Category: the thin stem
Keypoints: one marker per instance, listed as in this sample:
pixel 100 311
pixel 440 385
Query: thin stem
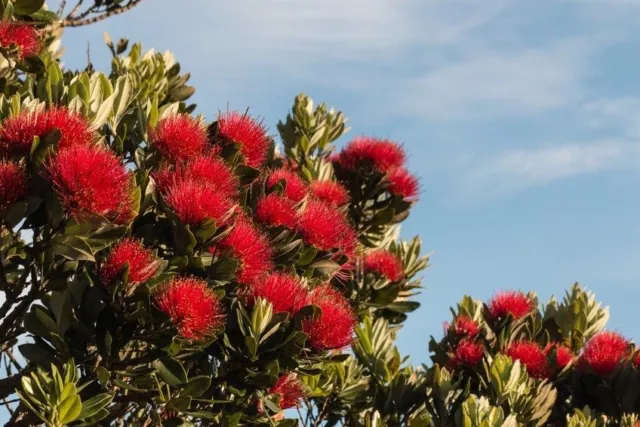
pixel 72 21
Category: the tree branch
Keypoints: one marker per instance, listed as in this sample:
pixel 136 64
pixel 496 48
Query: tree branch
pixel 72 21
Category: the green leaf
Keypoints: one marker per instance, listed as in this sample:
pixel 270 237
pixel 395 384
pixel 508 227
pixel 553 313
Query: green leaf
pixel 197 386
pixel 72 247
pixel 91 407
pixel 171 371
pixel 325 267
pixel 69 409
pixel 27 7
pixel 68 390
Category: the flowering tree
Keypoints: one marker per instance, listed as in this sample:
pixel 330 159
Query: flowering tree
pixel 160 270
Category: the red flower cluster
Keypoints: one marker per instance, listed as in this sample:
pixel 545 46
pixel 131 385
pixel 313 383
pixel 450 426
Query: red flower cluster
pixel 250 247
pixel 25 37
pixel 604 352
pixel 195 202
pixel 330 192
pixel 403 184
pixel 384 263
pixel 325 227
pixel 382 154
pixel 246 131
pixel 466 327
pixel 468 353
pixel 512 303
pixel 207 169
pixel 17 133
pixel 12 183
pixel 289 390
pixel 532 356
pixel 142 264
pixel 192 307
pixel 90 180
pixel 295 188
pixel 564 355
pixel 277 211
pixel 283 291
pixel 333 329
pixel 179 137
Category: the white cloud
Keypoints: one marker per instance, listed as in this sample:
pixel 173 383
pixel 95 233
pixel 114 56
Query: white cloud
pixel 617 113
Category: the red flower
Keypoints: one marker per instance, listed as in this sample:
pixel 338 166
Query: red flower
pixel 179 137
pixel 195 202
pixel 12 183
pixel 604 352
pixel 142 264
pixel 248 132
pixel 17 133
pixel 295 188
pixel 382 154
pixel 564 355
pixel 207 169
pixel 468 353
pixel 403 184
pixel 325 227
pixel 512 303
pixel 283 291
pixel 330 192
pixel 532 356
pixel 384 263
pixel 333 329
pixel 192 307
pixel 276 210
pixel 25 37
pixel 289 389
pixel 465 326
pixel 250 247
pixel 89 181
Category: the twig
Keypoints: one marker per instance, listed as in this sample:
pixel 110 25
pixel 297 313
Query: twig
pixel 78 22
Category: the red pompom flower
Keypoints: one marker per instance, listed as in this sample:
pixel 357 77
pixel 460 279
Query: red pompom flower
pixel 382 154
pixel 179 137
pixel 25 37
pixel 403 184
pixel 564 355
pixel 384 263
pixel 289 390
pixel 142 264
pixel 285 292
pixel 330 192
pixel 277 211
pixel 250 247
pixel 246 131
pixel 90 180
pixel 12 183
pixel 17 133
pixel 194 202
pixel 192 307
pixel 468 353
pixel 604 352
pixel 512 303
pixel 465 327
pixel 294 187
pixel 532 356
pixel 325 227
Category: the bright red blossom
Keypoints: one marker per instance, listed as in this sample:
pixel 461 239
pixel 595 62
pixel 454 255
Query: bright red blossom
pixel 208 169
pixel 285 292
pixel 294 187
pixel 142 264
pixel 382 154
pixel 330 192
pixel 604 352
pixel 324 226
pixel 89 180
pixel 289 389
pixel 333 329
pixel 246 131
pixel 465 326
pixel 25 37
pixel 179 137
pixel 12 183
pixel 195 202
pixel 403 184
pixel 17 133
pixel 250 247
pixel 564 355
pixel 512 303
pixel 468 353
pixel 532 356
pixel 192 307
pixel 277 211
pixel 384 263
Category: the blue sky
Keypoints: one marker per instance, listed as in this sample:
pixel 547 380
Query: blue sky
pixel 520 117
